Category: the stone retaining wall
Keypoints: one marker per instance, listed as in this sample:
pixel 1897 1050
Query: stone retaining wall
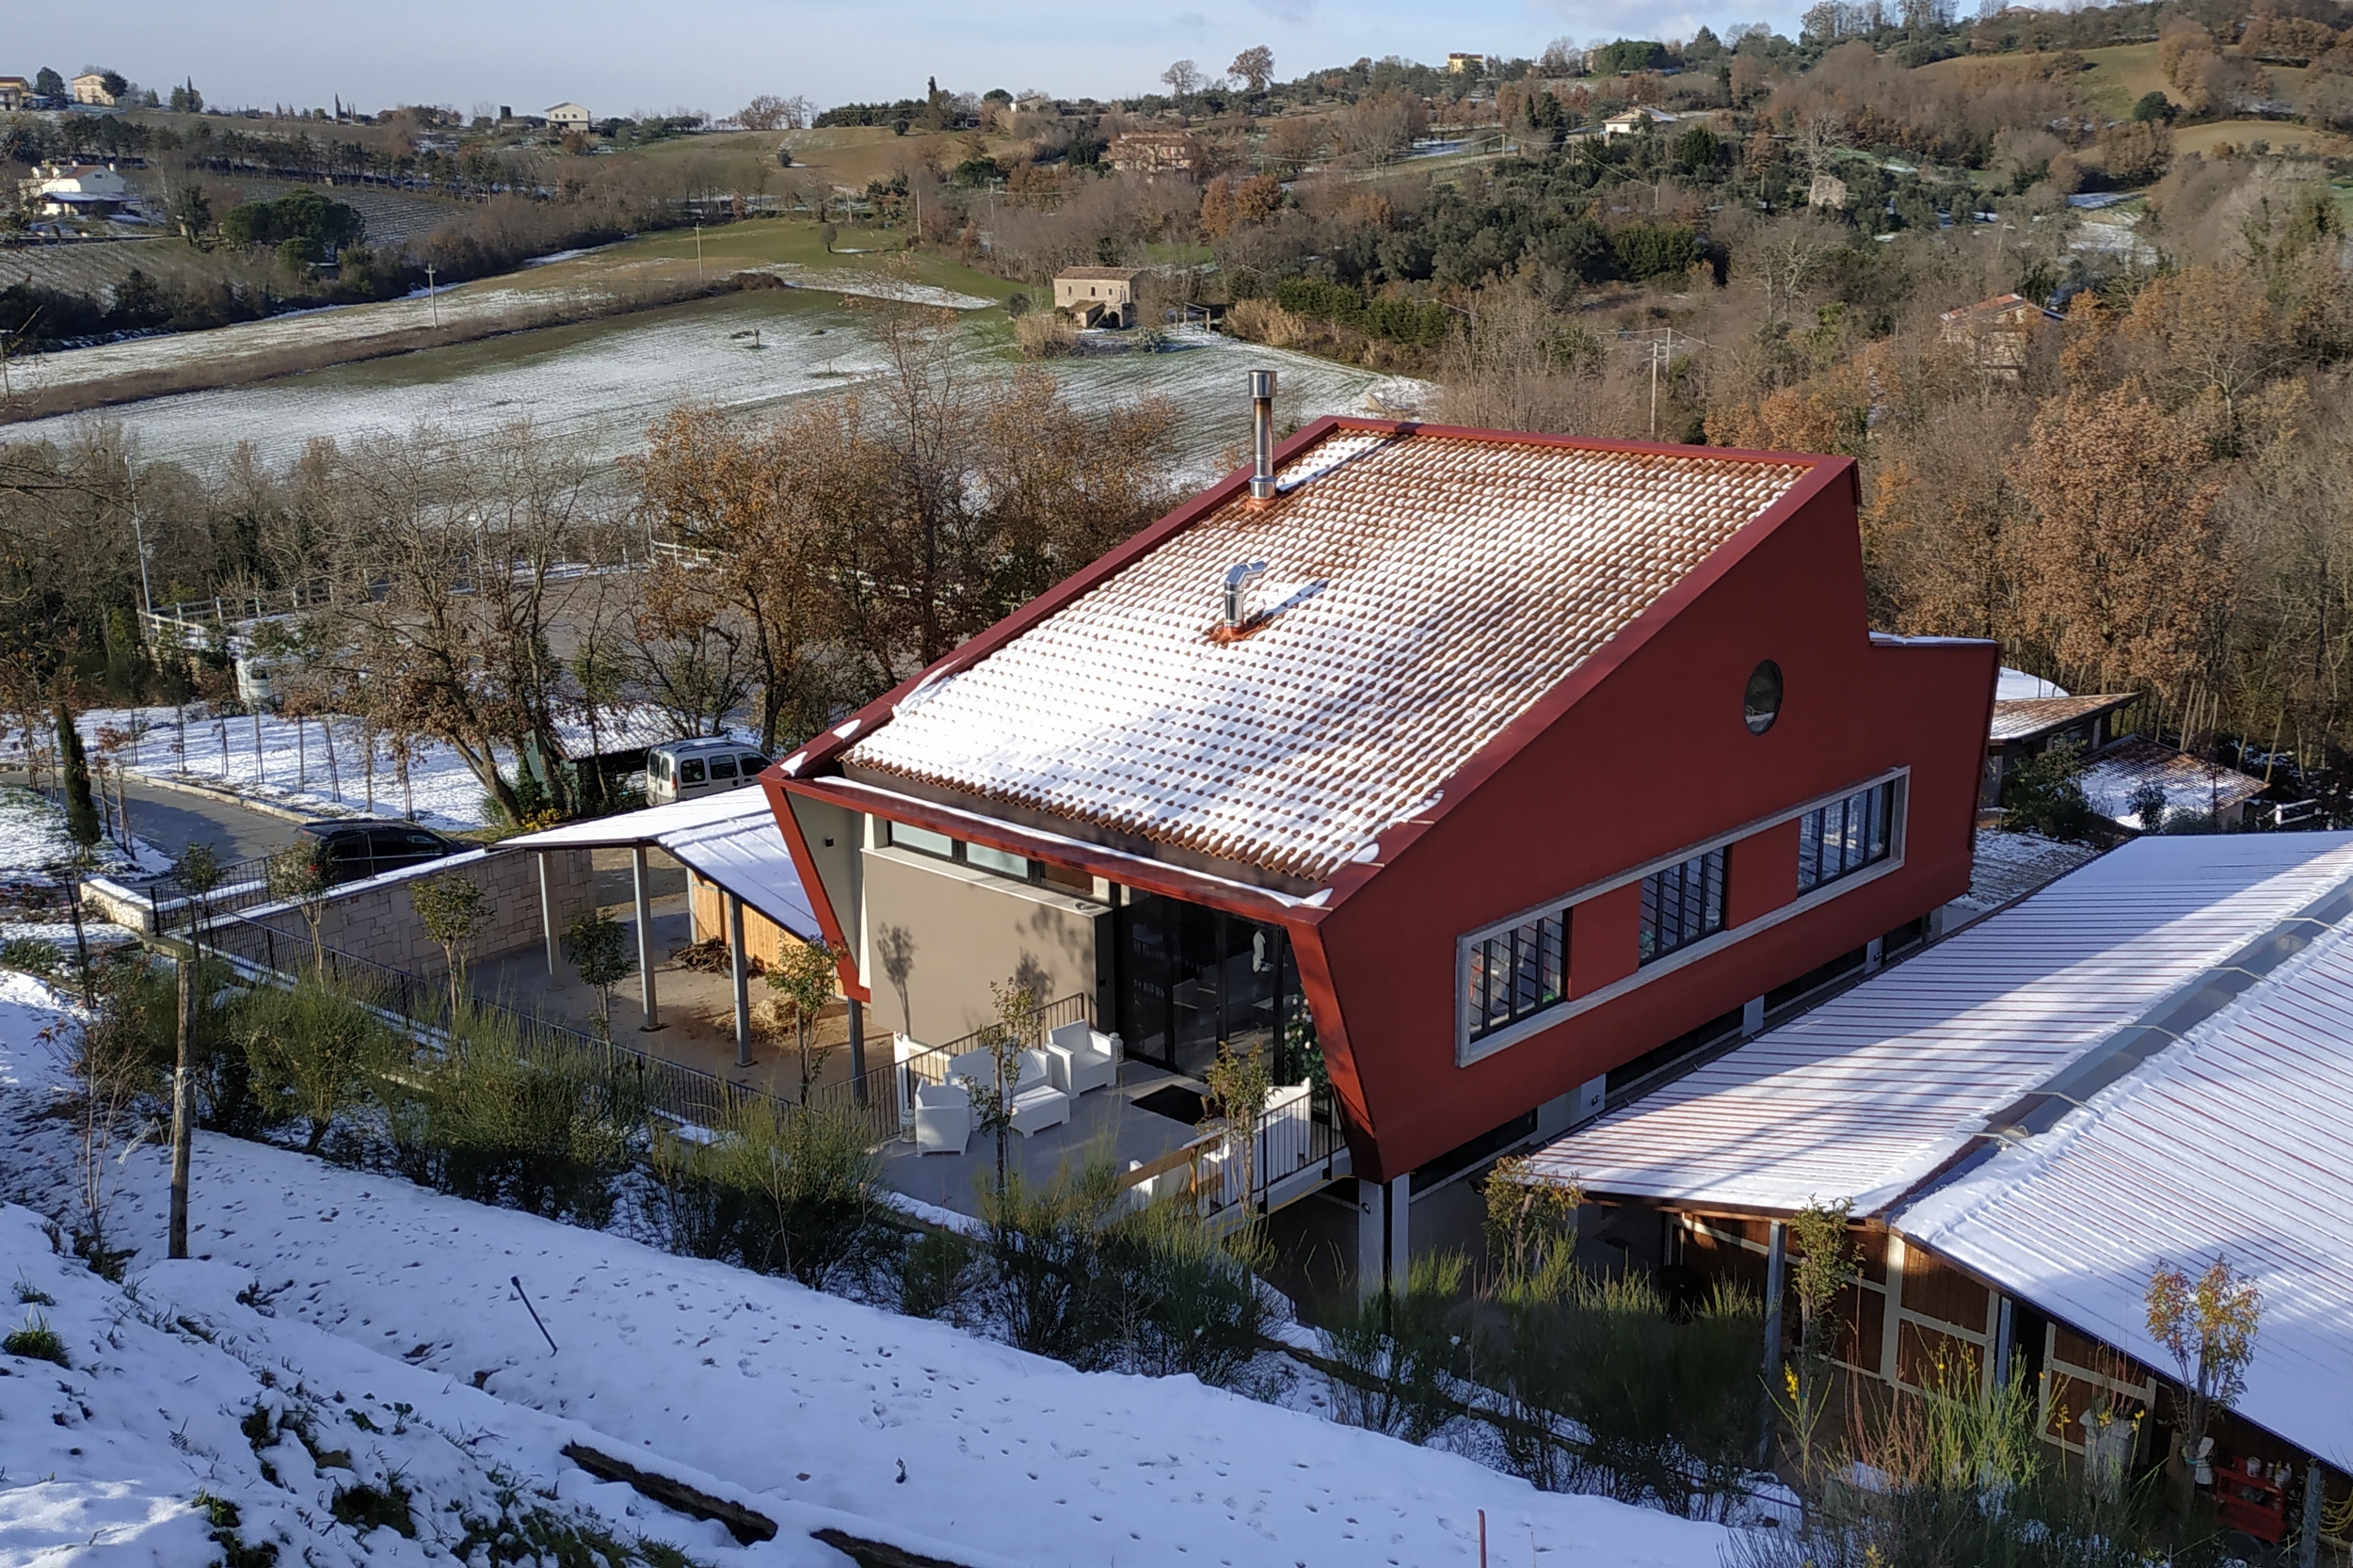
pixel 374 920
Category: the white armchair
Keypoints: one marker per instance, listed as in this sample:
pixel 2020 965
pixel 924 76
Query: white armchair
pixel 943 1118
pixel 1082 1059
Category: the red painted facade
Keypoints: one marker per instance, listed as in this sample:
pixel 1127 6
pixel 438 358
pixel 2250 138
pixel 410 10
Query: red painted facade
pixel 1640 755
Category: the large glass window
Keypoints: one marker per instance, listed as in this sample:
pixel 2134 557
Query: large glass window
pixel 1681 904
pixel 1847 835
pixel 922 839
pixel 1518 973
pixel 1191 977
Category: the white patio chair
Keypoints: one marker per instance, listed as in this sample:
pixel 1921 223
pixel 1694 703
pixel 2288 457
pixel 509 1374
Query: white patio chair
pixel 943 1118
pixel 1082 1059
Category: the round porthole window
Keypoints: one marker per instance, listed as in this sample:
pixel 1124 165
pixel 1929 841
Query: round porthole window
pixel 1762 705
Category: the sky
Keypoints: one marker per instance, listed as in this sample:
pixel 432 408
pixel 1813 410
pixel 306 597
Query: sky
pixel 621 57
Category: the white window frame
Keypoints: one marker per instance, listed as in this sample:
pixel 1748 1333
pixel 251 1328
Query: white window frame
pixel 1467 1050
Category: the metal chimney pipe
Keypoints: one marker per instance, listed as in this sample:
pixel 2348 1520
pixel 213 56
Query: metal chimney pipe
pixel 1238 586
pixel 1262 434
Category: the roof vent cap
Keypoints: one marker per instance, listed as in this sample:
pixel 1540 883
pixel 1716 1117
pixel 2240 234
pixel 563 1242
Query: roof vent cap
pixel 1237 592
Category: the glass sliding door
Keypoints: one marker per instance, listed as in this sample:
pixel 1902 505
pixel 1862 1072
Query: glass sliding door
pixel 1192 977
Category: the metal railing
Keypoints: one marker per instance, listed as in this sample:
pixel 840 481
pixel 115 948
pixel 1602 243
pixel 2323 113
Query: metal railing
pixel 930 1063
pixel 242 884
pixel 1299 1132
pixel 685 1097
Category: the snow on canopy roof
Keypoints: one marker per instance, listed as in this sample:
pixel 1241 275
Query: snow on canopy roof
pixel 1870 1093
pixel 650 824
pixel 731 838
pixel 2231 1143
pixel 2019 719
pixel 1422 591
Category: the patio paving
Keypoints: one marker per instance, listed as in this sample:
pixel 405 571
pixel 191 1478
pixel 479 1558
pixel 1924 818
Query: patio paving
pixel 1102 1121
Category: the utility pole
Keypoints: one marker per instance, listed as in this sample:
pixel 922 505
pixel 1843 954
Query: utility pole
pixel 138 534
pixel 698 252
pixel 432 301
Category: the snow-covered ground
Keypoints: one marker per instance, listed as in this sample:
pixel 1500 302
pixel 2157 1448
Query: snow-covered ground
pixel 33 841
pixel 339 1295
pixel 595 386
pixel 292 766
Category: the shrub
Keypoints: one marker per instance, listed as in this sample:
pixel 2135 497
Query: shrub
pixel 784 1190
pixel 1191 1299
pixel 1400 1356
pixel 1049 1287
pixel 1045 335
pixel 37 1341
pixel 484 1120
pixel 936 1275
pixel 313 1053
pixel 2045 796
pixel 31 955
pixel 1405 321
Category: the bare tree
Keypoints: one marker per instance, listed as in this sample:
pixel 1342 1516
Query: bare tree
pixel 1253 66
pixel 1183 79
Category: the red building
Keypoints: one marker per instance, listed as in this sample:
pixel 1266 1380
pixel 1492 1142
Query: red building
pixel 1496 772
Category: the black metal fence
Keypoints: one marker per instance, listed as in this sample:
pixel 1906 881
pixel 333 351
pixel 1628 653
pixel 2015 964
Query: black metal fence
pixel 241 885
pixel 683 1095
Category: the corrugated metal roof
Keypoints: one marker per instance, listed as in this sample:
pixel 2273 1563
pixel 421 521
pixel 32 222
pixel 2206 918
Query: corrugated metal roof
pixel 2234 1141
pixel 1422 591
pixel 731 837
pixel 749 859
pixel 1868 1094
pixel 2192 788
pixel 2019 718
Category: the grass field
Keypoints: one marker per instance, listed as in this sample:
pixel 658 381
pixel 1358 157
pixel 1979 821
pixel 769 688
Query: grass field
pixel 2285 135
pixel 759 243
pixel 848 156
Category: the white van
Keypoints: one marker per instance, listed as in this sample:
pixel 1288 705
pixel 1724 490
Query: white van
pixel 680 770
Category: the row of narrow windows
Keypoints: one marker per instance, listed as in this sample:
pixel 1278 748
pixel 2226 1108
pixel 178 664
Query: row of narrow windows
pixel 1520 973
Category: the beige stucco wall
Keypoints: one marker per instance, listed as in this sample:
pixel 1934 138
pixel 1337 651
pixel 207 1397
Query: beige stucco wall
pixel 936 935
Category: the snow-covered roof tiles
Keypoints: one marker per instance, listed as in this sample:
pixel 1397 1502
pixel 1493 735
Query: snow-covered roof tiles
pixel 2018 719
pixel 2234 1143
pixel 1868 1094
pixel 1421 592
pixel 2192 788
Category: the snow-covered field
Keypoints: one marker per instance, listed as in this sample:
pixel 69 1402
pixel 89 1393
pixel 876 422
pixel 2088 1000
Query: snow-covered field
pixel 387 1321
pixel 596 386
pixel 33 841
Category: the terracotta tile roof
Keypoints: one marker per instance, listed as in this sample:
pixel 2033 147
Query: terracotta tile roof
pixel 2021 718
pixel 1100 273
pixel 1422 591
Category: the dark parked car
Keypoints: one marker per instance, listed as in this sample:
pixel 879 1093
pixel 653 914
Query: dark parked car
pixel 352 850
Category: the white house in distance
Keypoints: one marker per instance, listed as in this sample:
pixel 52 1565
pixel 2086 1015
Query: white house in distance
pixel 1636 121
pixel 567 115
pixel 81 190
pixel 90 88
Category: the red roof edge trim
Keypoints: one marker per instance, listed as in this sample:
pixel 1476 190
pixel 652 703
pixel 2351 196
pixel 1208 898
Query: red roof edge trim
pixel 1128 870
pixel 820 903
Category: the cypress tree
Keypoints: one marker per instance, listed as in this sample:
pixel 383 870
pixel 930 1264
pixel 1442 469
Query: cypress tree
pixel 81 813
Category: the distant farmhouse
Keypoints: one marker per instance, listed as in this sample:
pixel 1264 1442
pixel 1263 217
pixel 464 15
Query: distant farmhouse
pixel 75 190
pixel 1465 65
pixel 1635 122
pixel 1998 333
pixel 90 88
pixel 13 91
pixel 567 115
pixel 1098 296
pixel 1153 154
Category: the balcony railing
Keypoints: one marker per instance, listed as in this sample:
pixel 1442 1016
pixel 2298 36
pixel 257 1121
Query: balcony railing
pixel 1299 1134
